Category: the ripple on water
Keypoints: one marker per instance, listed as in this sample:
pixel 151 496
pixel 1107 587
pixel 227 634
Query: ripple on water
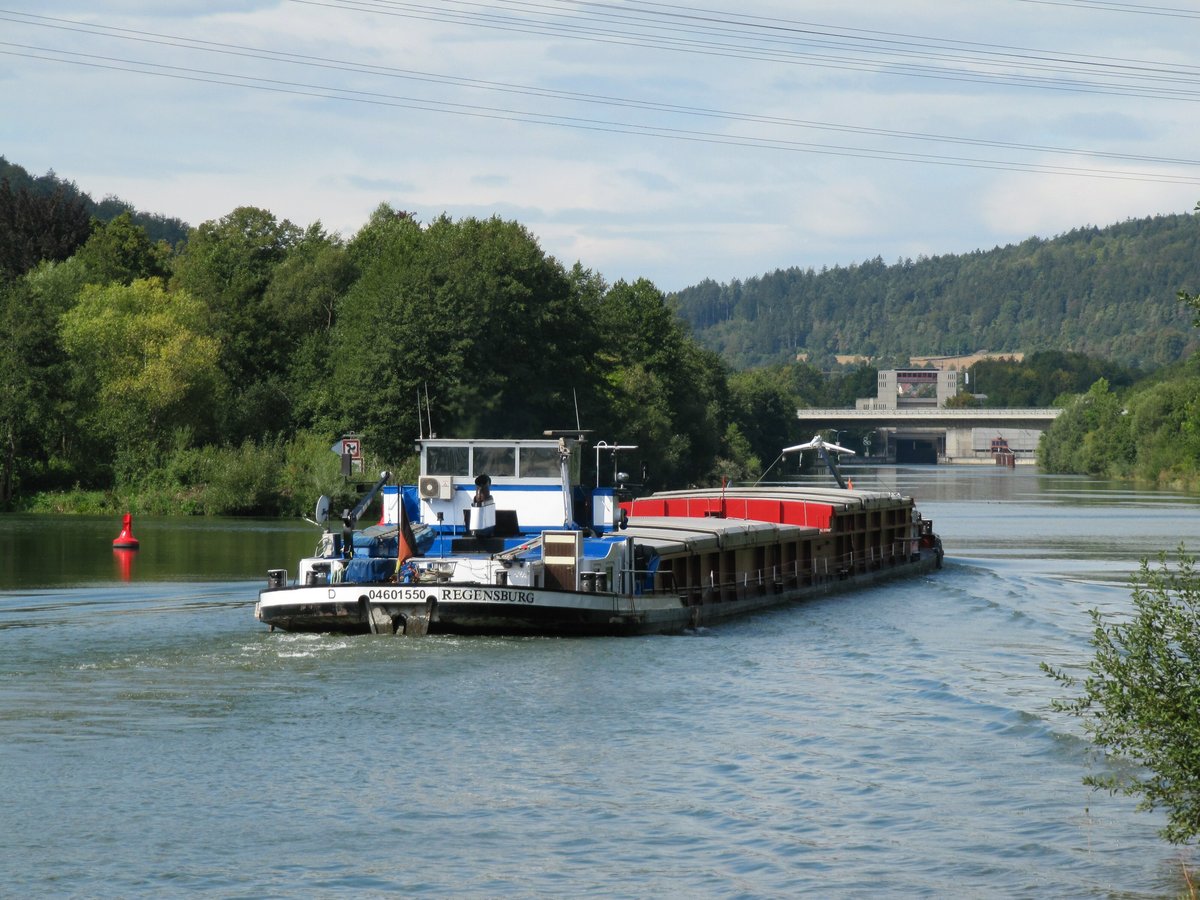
pixel 894 741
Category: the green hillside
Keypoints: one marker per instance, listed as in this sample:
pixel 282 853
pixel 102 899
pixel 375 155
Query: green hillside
pixel 1107 292
pixel 50 187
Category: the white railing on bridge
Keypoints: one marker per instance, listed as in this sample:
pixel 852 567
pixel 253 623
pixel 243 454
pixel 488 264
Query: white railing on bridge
pixel 981 412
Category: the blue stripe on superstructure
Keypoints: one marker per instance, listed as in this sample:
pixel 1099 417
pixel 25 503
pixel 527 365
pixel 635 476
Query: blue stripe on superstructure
pixel 599 548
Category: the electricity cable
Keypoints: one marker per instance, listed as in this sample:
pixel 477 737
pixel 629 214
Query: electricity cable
pixel 572 96
pixel 331 93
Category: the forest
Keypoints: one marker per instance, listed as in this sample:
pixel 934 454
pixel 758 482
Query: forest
pixel 1104 292
pixel 154 367
pixel 211 375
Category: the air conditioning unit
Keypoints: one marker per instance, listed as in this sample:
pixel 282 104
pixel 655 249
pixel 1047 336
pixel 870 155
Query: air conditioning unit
pixel 434 487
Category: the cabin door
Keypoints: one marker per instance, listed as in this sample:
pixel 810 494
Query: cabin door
pixel 560 555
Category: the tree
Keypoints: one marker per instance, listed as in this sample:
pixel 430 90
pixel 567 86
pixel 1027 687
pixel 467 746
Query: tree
pixel 43 447
pixel 153 365
pixel 1092 436
pixel 1165 416
pixel 1043 377
pixel 1192 300
pixel 472 311
pixel 1141 698
pixel 667 394
pixel 35 227
pixel 1075 291
pixel 764 410
pixel 121 251
pixel 846 386
pixel 26 356
pixel 227 265
pixel 300 307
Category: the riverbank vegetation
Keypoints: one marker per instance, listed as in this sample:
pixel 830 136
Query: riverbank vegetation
pixel 212 375
pixel 1138 699
pixel 150 367
pixel 1148 431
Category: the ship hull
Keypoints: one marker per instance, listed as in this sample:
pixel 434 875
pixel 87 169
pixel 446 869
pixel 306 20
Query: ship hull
pixel 472 609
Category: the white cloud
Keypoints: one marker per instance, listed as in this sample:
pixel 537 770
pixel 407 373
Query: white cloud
pixel 624 204
pixel 1011 209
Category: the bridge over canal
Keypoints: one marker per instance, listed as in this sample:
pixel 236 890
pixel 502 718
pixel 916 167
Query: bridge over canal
pixel 933 434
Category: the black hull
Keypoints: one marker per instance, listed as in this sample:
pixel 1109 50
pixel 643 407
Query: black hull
pixel 373 609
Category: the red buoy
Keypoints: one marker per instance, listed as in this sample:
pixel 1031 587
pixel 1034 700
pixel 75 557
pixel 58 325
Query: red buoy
pixel 125 540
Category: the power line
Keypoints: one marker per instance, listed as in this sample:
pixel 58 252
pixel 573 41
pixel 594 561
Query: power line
pixel 864 35
pixel 1105 6
pixel 284 85
pixel 804 44
pixel 1058 71
pixel 599 125
pixel 237 50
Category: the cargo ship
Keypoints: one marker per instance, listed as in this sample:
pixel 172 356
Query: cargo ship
pixel 501 537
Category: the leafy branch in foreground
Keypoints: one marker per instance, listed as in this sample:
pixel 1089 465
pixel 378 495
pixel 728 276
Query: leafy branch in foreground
pixel 1141 698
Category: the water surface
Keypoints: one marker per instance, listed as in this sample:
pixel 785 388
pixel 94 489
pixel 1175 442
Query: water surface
pixel 155 740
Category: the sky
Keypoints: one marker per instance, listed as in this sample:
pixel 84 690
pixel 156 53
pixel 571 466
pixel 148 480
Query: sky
pixel 669 141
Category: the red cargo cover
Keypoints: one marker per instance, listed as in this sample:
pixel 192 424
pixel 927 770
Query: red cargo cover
pixel 785 512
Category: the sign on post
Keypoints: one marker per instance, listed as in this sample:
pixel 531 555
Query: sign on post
pixel 349 449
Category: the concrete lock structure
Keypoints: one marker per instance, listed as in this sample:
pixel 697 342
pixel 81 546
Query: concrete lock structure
pixel 908 422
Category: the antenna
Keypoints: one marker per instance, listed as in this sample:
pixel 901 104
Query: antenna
pixel 420 421
pixel 428 413
pixel 578 425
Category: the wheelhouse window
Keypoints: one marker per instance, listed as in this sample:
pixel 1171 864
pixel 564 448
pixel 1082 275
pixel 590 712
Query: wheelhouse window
pixel 498 459
pixel 498 462
pixel 539 462
pixel 447 461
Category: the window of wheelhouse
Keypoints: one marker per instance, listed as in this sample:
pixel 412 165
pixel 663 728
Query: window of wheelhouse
pixel 498 462
pixel 447 461
pixel 539 462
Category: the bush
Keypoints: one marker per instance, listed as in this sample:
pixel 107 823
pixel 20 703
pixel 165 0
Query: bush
pixel 277 477
pixel 76 502
pixel 1092 437
pixel 272 478
pixel 1141 698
